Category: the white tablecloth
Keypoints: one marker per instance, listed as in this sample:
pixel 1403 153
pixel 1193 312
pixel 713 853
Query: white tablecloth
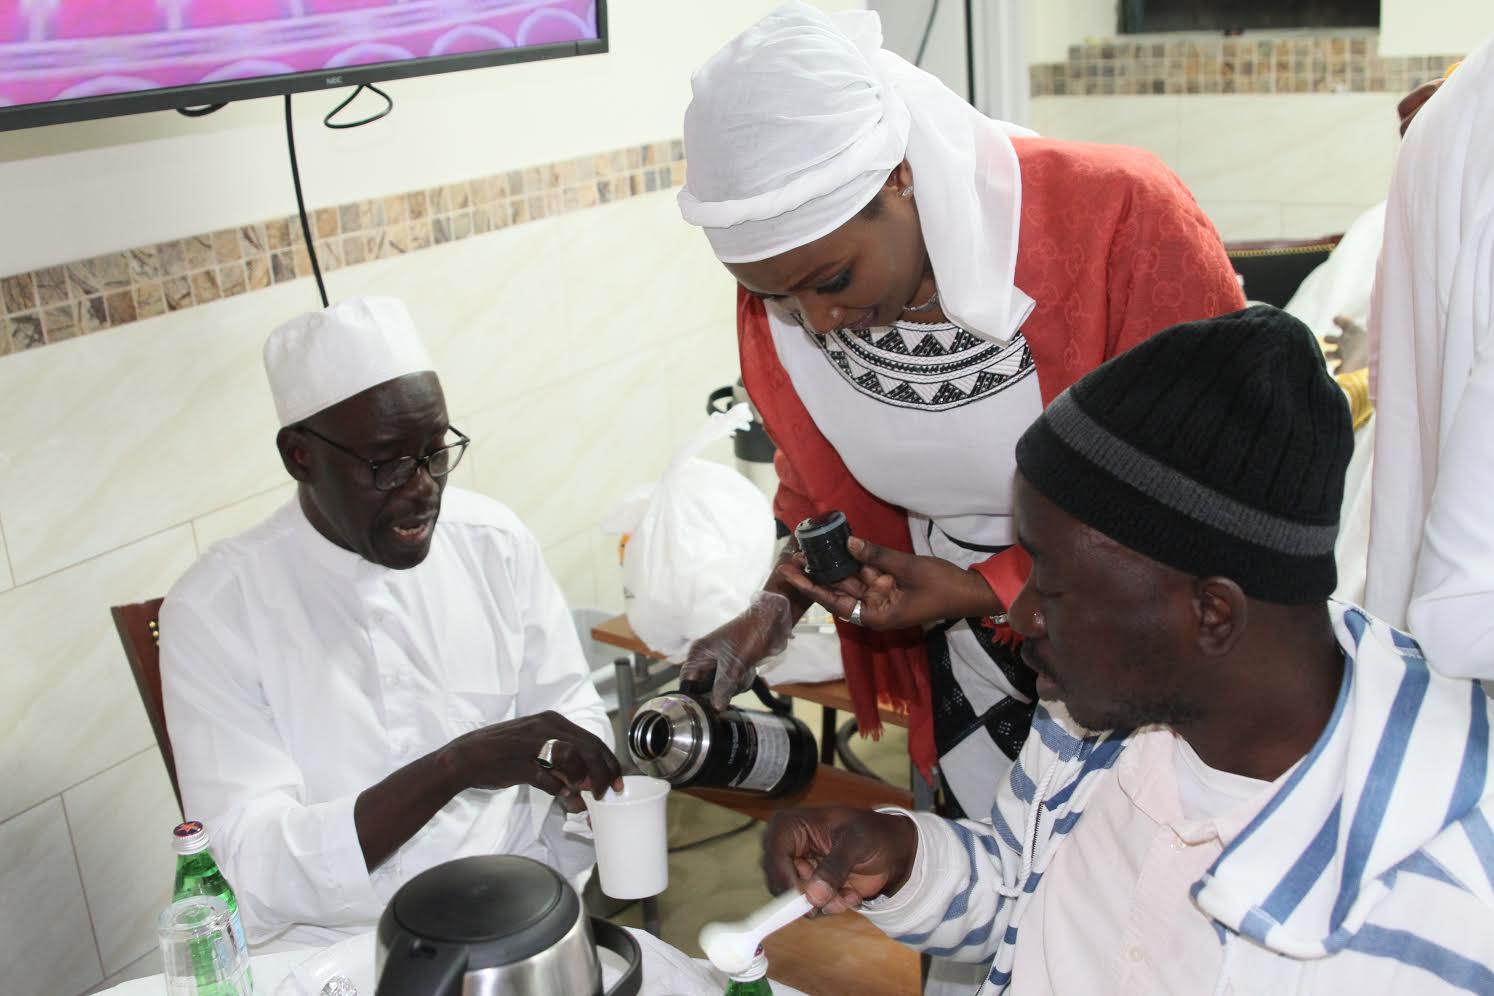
pixel 667 971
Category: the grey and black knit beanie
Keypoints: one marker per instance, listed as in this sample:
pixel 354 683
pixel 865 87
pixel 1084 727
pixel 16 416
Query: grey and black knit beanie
pixel 1217 447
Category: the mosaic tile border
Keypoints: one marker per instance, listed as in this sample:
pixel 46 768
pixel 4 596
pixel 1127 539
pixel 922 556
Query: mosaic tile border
pixel 62 302
pixel 1316 63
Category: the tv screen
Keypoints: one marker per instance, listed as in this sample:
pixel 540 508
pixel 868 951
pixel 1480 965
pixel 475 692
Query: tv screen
pixel 66 60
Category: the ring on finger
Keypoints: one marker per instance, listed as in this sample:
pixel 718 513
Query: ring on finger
pixel 546 756
pixel 855 617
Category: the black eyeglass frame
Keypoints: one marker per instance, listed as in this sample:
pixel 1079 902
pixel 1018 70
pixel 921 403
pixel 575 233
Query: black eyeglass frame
pixel 416 462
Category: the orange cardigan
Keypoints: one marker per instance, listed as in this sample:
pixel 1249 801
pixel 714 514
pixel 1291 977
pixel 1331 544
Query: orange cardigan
pixel 1113 248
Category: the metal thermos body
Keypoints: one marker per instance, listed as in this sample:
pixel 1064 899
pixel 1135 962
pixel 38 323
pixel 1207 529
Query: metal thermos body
pixel 680 738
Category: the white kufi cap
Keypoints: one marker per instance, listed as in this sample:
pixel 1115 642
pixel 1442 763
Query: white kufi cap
pixel 324 357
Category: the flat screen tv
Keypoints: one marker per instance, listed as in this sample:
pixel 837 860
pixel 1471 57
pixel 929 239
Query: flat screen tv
pixel 67 60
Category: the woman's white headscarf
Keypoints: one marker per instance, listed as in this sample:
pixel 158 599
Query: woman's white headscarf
pixel 795 125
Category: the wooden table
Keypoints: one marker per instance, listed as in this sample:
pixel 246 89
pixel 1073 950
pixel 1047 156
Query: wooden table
pixel 842 955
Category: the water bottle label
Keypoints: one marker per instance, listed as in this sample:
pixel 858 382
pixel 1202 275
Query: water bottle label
pixel 771 758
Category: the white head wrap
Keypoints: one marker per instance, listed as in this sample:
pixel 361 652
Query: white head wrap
pixel 795 125
pixel 324 357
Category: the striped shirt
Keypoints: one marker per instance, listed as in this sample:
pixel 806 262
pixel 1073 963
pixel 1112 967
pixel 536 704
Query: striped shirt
pixel 1370 868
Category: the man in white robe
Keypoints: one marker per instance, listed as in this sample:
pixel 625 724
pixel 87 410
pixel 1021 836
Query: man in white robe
pixel 1431 553
pixel 383 675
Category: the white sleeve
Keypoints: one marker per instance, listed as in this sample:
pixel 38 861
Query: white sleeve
pixel 956 902
pixel 287 862
pixel 1452 599
pixel 554 674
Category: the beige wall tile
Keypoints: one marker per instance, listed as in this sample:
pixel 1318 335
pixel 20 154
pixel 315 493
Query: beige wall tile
pixel 1330 148
pixel 121 822
pixel 1305 221
pixel 233 519
pixel 116 436
pixel 608 570
pixel 560 459
pixel 572 563
pixel 699 364
pixel 47 946
pixel 7 580
pixel 68 705
pixel 1244 220
pixel 648 275
pixel 553 297
pixel 1153 123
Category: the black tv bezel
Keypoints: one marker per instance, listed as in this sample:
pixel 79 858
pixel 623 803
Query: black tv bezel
pixel 18 116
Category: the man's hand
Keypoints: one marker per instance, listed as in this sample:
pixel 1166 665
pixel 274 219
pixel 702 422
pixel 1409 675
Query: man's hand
pixel 507 754
pixel 838 856
pixel 897 589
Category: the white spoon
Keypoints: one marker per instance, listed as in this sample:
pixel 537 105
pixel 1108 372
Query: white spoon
pixel 731 946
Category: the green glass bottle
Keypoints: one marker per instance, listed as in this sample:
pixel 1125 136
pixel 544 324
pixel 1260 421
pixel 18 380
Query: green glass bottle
pixel 753 981
pixel 197 874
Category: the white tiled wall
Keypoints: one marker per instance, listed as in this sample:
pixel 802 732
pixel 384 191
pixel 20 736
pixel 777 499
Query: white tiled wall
pixel 47 944
pixel 7 581
pixel 124 853
pixel 576 352
pixel 68 706
pixel 1261 165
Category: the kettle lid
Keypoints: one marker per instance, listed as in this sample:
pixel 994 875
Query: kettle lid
pixel 503 907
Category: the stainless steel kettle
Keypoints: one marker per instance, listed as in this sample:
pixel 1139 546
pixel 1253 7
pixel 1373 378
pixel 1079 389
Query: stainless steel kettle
pixel 496 925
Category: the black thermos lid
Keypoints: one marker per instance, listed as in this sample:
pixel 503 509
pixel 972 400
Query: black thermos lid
pixel 823 540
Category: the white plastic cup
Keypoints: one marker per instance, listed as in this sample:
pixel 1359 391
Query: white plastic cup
pixel 632 837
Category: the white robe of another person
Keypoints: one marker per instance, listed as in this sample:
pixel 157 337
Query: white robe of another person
pixel 1431 553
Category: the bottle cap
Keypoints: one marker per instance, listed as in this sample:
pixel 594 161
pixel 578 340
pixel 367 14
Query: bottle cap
pixel 189 837
pixel 757 970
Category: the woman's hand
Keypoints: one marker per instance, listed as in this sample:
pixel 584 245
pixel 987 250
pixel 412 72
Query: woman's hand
pixel 897 590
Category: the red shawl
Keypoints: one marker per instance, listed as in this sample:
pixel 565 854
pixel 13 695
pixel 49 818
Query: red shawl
pixel 1112 247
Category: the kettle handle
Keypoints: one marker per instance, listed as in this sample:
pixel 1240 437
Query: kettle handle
pixel 418 966
pixel 718 394
pixel 617 940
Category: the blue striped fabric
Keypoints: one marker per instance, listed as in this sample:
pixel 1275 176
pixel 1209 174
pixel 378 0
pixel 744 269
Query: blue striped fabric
pixel 1393 801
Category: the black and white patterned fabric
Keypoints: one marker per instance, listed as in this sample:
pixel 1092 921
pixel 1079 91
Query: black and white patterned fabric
pixel 926 417
pixel 929 367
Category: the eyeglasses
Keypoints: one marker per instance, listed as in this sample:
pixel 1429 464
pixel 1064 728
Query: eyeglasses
pixel 390 474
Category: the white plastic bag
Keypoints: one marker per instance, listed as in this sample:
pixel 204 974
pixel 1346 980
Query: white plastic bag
pixel 701 542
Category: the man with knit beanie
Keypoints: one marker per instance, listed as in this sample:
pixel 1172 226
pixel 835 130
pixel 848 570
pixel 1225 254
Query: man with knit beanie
pixel 1233 784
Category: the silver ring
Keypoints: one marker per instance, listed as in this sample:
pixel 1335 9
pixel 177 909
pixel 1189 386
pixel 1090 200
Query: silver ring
pixel 546 756
pixel 855 617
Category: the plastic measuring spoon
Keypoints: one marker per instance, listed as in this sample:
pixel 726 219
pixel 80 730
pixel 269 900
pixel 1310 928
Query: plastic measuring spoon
pixel 730 946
